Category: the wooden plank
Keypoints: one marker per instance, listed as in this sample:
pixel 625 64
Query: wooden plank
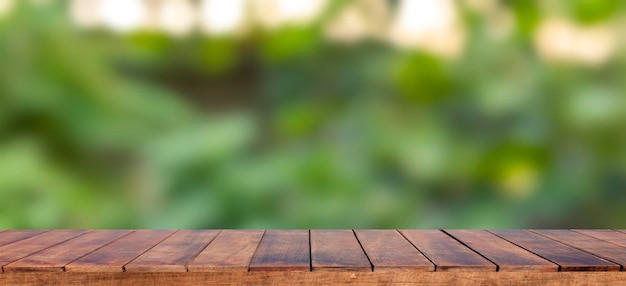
pixel 173 253
pixel 231 250
pixel 314 278
pixel 389 251
pixel 508 256
pixel 611 236
pixel 447 253
pixel 10 236
pixel 113 257
pixel 282 250
pixel 56 257
pixel 337 250
pixel 568 258
pixel 597 247
pixel 20 249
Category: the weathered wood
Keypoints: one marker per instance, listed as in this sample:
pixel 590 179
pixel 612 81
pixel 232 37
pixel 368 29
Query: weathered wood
pixel 337 250
pixel 113 257
pixel 20 249
pixel 231 250
pixel 567 257
pixel 447 253
pixel 597 247
pixel 508 256
pixel 390 251
pixel 611 236
pixel 10 236
pixel 286 250
pixel 173 253
pixel 315 278
pixel 56 257
pixel 210 257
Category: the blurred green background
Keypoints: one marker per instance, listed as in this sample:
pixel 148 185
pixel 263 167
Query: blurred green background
pixel 360 114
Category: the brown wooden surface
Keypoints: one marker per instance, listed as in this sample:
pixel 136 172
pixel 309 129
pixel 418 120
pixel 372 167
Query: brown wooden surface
pixel 611 236
pixel 286 250
pixel 20 249
pixel 390 251
pixel 113 257
pixel 508 256
pixel 359 257
pixel 569 258
pixel 315 278
pixel 231 250
pixel 447 253
pixel 56 257
pixel 597 247
pixel 173 253
pixel 9 236
pixel 337 250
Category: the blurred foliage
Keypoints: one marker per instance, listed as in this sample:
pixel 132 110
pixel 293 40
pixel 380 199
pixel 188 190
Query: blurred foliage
pixel 283 129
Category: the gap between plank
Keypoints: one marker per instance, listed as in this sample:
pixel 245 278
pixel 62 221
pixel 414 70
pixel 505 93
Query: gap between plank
pixel 310 253
pixel 414 246
pixel 258 244
pixel 203 248
pixel 621 267
pixel 463 243
pixel 150 248
pixel 97 249
pixel 86 232
pixel 559 265
pixel 36 234
pixel 619 232
pixel 363 249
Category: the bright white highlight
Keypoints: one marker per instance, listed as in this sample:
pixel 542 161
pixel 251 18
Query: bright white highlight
pixel 559 40
pixel 359 20
pixel 425 16
pixel 85 13
pixel 428 24
pixel 300 11
pixel 5 7
pixel 275 13
pixel 123 15
pixel 222 16
pixel 176 17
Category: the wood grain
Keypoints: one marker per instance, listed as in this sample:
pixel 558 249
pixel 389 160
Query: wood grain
pixel 339 257
pixel 337 250
pixel 390 251
pixel 568 258
pixel 315 278
pixel 56 257
pixel 447 253
pixel 597 247
pixel 231 250
pixel 25 247
pixel 611 236
pixel 286 250
pixel 113 257
pixel 508 256
pixel 173 253
pixel 10 236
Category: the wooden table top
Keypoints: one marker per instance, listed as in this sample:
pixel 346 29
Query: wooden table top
pixel 310 251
